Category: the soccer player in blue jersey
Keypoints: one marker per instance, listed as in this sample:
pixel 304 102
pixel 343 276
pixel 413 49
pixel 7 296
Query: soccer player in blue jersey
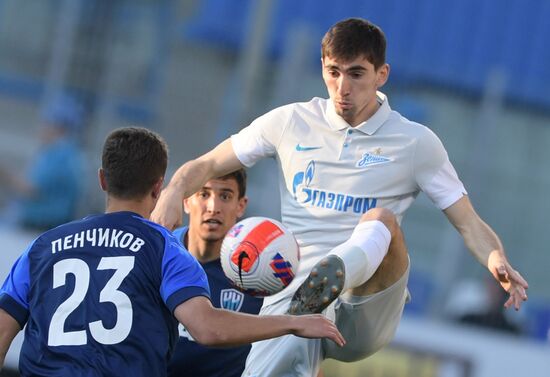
pixel 212 211
pixel 102 296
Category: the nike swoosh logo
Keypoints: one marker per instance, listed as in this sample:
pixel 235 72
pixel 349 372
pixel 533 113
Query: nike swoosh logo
pixel 242 256
pixel 300 148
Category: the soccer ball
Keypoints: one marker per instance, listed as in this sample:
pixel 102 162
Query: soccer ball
pixel 260 256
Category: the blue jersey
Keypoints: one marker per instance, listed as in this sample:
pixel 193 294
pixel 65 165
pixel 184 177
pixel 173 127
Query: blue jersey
pixel 97 297
pixel 193 359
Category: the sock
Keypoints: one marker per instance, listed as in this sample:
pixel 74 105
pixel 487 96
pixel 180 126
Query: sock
pixel 363 252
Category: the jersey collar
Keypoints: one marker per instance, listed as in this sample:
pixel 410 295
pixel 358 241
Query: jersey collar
pixel 370 126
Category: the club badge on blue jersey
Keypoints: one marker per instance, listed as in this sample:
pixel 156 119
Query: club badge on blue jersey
pixel 231 299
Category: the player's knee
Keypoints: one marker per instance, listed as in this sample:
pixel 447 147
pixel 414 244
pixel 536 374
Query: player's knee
pixel 396 258
pixel 385 216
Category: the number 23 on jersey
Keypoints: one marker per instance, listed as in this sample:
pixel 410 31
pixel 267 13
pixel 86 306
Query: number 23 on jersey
pixel 57 336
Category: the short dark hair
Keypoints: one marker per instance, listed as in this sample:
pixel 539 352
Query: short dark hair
pixel 240 177
pixel 133 160
pixel 353 37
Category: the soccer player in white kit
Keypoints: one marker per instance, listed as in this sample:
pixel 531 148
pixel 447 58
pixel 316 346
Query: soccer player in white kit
pixel 349 167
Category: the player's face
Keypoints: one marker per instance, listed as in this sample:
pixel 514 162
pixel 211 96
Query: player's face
pixel 214 209
pixel 352 87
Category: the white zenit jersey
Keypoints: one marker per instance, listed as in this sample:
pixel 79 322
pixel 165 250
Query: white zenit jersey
pixel 331 173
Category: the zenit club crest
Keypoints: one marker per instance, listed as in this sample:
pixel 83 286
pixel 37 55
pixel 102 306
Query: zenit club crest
pixel 368 159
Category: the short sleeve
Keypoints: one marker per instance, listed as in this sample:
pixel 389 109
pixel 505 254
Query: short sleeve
pixel 14 295
pixel 434 173
pixel 182 275
pixel 262 137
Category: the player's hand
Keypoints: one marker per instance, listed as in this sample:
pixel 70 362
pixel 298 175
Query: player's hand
pixel 168 212
pixel 317 326
pixel 509 279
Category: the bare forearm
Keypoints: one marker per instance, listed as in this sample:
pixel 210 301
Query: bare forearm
pixel 191 176
pixel 482 241
pixel 211 326
pixel 479 238
pixel 226 328
pixel 9 328
pixel 485 245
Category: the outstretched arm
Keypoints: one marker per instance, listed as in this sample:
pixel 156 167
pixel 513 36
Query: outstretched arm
pixel 218 327
pixel 189 178
pixel 485 245
pixel 9 328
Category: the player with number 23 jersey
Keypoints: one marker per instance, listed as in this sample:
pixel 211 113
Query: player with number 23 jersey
pixel 108 279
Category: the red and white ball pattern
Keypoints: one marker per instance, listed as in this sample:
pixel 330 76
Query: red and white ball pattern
pixel 260 256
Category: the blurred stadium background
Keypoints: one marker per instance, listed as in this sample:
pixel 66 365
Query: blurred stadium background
pixel 475 71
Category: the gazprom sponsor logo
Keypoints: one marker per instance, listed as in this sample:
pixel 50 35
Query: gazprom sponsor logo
pixel 370 159
pixel 337 201
pixel 310 172
pixel 341 202
pixel 299 177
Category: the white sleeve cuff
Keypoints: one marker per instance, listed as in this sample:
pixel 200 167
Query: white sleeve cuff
pixel 244 153
pixel 445 188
